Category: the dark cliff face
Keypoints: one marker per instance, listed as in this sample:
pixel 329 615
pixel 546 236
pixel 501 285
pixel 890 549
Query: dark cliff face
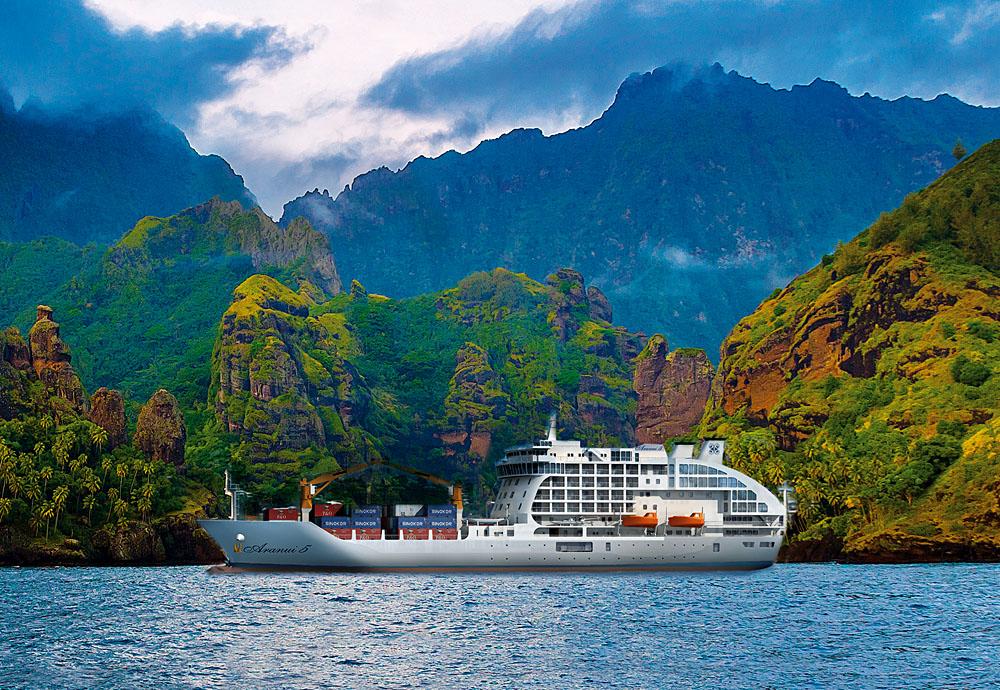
pixel 88 178
pixel 686 203
pixel 107 410
pixel 673 388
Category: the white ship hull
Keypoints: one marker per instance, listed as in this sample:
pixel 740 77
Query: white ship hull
pixel 303 545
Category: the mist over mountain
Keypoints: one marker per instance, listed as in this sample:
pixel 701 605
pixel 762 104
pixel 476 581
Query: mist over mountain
pixel 89 176
pixel 690 199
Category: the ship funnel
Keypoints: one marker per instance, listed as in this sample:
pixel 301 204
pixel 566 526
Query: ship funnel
pixel 552 427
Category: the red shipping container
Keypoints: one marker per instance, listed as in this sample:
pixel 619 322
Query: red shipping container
pixel 339 532
pixel 416 533
pixel 368 533
pixel 445 533
pixel 281 514
pixel 326 509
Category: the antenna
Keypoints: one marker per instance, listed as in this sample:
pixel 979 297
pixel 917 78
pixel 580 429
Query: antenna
pixel 552 426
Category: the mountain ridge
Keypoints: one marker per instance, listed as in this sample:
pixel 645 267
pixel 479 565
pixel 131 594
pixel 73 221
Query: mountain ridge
pixel 688 200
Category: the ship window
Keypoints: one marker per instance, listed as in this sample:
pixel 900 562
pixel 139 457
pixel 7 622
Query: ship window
pixel 575 546
pixel 607 546
pixel 762 507
pixel 657 480
pixel 748 544
pixel 645 507
pixel 715 548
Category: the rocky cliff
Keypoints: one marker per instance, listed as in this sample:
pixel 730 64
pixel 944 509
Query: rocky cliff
pixel 443 381
pixel 160 432
pixel 870 381
pixel 673 388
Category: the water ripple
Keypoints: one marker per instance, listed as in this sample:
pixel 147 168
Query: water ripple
pixel 805 626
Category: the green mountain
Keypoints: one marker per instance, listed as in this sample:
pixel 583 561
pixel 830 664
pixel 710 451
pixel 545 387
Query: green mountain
pixel 693 196
pixel 871 382
pixel 89 177
pixel 144 312
pixel 443 381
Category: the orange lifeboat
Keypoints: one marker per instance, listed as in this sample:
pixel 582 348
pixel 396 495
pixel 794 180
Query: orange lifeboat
pixel 648 520
pixel 692 520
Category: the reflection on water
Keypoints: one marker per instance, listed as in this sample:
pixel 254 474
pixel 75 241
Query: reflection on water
pixel 805 626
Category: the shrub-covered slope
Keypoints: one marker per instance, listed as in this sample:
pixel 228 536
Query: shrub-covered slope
pixel 872 382
pixel 695 194
pixel 89 177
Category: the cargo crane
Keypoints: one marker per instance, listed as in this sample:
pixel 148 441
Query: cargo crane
pixel 308 488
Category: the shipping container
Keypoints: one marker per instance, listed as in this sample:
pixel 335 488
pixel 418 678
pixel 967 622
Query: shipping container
pixel 408 510
pixel 412 522
pixel 326 509
pixel 281 514
pixel 442 511
pixel 443 522
pixel 445 533
pixel 366 522
pixel 368 533
pixel 340 522
pixel 413 533
pixel 366 511
pixel 340 533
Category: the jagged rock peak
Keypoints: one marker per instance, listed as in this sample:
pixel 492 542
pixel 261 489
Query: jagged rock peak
pixel 107 410
pixel 160 432
pixel 50 358
pixel 358 290
pixel 673 388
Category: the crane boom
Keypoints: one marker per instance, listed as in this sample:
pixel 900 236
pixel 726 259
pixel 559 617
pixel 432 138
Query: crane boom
pixel 308 488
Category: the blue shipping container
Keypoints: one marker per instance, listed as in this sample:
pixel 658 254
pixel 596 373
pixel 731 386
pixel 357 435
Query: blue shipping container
pixel 367 511
pixel 442 511
pixel 443 523
pixel 366 522
pixel 412 522
pixel 334 522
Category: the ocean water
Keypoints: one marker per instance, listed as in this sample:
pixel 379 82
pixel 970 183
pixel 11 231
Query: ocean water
pixel 790 626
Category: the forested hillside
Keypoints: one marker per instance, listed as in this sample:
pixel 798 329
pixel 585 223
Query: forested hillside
pixel 871 382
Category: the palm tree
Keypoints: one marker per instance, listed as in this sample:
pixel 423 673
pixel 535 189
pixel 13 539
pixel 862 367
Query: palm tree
pixel 121 470
pixel 106 463
pixel 46 474
pixel 112 497
pixel 4 508
pixel 59 497
pixel 88 503
pixel 98 437
pixel 47 511
pixel 36 521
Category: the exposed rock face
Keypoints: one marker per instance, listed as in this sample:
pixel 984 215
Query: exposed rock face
pixel 107 410
pixel 137 543
pixel 600 305
pixel 15 363
pixel 271 391
pixel 186 543
pixel 673 388
pixel 475 397
pixel 160 432
pixel 569 297
pixel 50 358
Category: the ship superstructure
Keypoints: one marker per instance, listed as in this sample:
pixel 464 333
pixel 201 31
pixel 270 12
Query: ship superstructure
pixel 559 505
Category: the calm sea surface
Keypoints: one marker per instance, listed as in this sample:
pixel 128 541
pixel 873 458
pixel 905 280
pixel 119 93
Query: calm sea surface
pixel 791 626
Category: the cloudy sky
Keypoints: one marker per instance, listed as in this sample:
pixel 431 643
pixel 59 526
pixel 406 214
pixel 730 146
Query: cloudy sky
pixel 309 93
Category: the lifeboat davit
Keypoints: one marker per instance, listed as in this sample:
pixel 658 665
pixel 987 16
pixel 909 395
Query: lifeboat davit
pixel 648 520
pixel 692 520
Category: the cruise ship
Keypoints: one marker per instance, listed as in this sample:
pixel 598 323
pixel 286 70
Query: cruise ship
pixel 559 506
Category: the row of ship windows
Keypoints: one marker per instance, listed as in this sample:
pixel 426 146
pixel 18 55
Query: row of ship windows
pixel 611 507
pixel 514 469
pixel 575 494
